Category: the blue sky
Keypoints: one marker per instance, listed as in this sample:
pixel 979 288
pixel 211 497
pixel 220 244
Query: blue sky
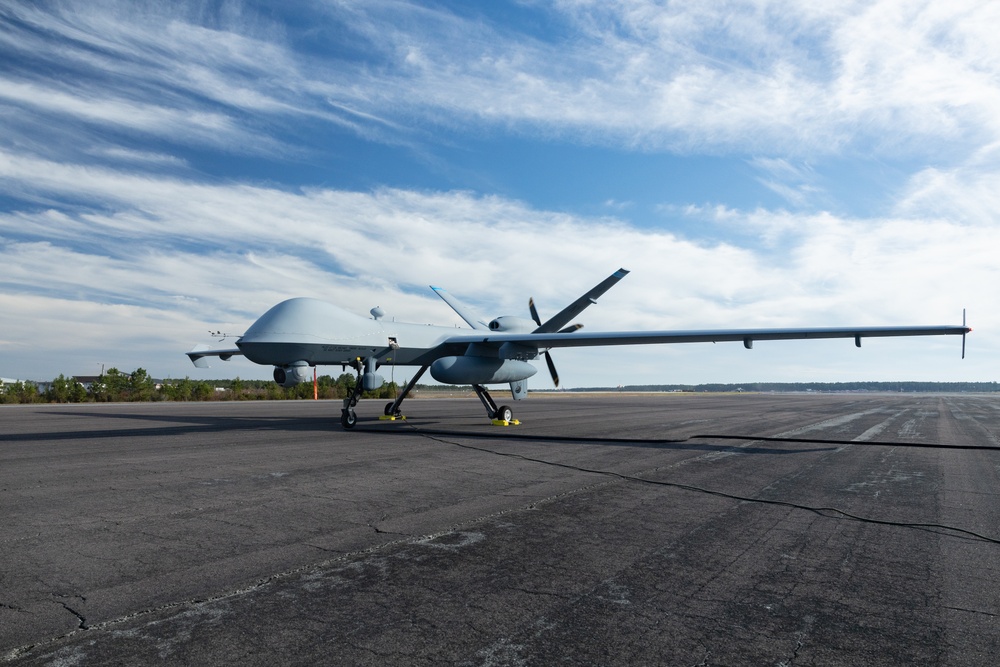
pixel 167 169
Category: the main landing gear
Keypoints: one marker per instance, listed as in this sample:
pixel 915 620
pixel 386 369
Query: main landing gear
pixel 348 418
pixel 502 414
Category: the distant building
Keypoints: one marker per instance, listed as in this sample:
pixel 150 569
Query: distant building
pixel 40 386
pixel 87 380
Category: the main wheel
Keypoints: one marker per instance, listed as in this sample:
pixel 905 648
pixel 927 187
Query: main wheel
pixel 388 408
pixel 504 413
pixel 348 418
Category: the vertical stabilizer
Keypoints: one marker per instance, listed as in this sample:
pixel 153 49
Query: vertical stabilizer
pixel 460 308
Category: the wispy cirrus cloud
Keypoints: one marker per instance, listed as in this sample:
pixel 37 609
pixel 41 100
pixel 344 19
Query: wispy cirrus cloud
pixel 781 76
pixel 216 256
pixel 778 77
pixel 128 201
pixel 341 235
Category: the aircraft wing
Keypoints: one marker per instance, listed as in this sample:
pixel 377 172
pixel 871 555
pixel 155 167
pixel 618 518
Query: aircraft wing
pixel 746 336
pixel 200 352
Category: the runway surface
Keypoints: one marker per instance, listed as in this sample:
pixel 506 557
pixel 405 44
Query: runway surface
pixel 604 530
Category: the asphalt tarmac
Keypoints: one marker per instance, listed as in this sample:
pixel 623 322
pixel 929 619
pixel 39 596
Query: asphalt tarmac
pixel 603 530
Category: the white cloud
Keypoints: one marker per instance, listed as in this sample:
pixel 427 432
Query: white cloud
pixel 142 157
pixel 111 111
pixel 779 76
pixel 774 77
pixel 164 245
pixel 122 260
pixel 795 183
pixel 971 196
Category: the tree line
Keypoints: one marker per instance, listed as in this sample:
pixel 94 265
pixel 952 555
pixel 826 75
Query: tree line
pixel 115 386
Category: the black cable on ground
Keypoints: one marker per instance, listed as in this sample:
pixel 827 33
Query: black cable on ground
pixel 689 439
pixel 875 443
pixel 822 511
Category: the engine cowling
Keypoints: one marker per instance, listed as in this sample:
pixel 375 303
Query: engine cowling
pixel 480 370
pixel 293 374
pixel 512 324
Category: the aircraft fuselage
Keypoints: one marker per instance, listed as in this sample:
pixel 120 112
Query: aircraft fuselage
pixel 319 333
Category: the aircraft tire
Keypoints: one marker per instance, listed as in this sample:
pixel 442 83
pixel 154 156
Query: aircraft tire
pixel 348 418
pixel 504 413
pixel 388 408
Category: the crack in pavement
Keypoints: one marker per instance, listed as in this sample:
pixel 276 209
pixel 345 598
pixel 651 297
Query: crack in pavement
pixel 80 617
pixel 972 611
pixel 20 610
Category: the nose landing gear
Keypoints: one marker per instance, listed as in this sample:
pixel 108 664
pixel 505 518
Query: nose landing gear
pixel 348 418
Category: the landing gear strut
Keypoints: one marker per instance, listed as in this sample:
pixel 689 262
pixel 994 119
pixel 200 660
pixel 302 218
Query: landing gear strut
pixel 392 409
pixel 348 418
pixel 502 413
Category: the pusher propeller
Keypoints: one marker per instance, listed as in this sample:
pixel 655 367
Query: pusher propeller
pixel 548 357
pixel 534 311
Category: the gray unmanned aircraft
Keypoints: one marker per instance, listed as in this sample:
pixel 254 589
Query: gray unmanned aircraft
pixel 301 333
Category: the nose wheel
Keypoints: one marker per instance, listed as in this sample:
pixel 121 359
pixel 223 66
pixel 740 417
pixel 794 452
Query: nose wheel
pixel 348 418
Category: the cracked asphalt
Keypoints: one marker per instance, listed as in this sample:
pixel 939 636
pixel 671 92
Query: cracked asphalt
pixel 604 530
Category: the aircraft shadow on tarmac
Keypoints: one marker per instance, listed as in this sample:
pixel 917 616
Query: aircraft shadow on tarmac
pixel 188 425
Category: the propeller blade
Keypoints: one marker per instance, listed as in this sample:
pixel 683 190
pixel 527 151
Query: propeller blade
pixel 548 357
pixel 552 369
pixel 534 313
pixel 963 335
